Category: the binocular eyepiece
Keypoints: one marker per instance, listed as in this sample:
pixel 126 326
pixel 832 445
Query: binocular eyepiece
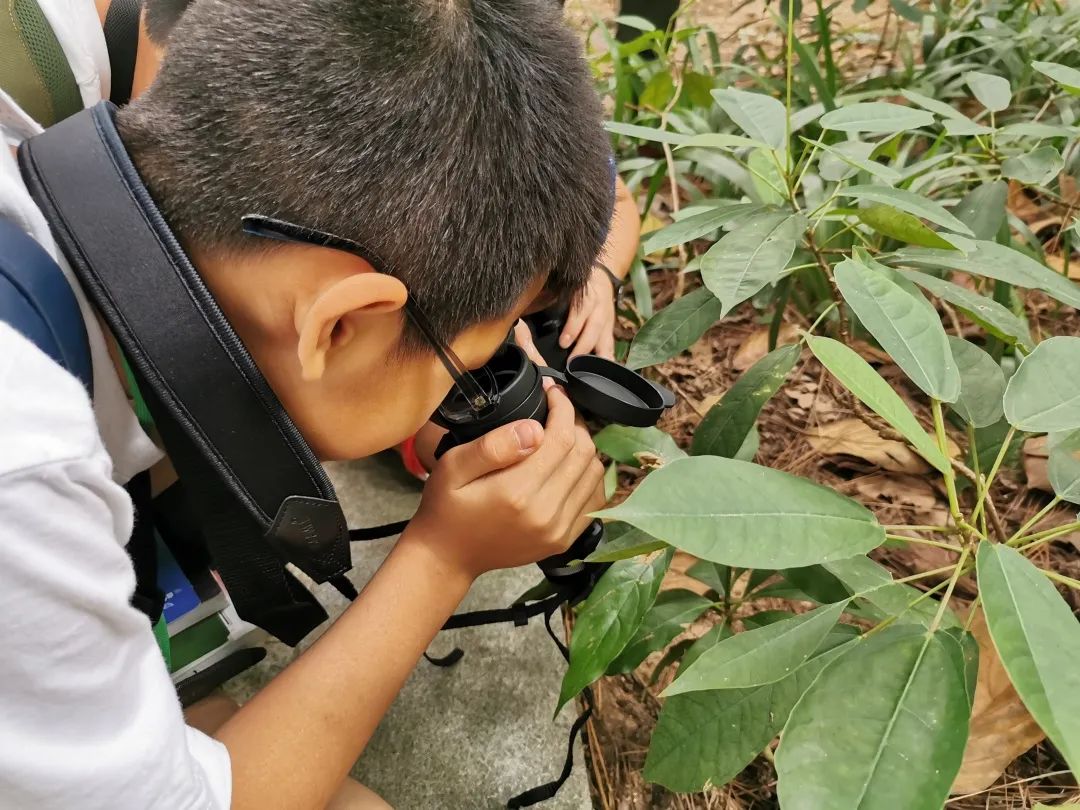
pixel 599 388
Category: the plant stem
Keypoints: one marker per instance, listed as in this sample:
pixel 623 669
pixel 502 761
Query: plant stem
pixel 820 318
pixel 948 591
pixel 790 56
pixel 971 612
pixel 923 575
pixel 1034 540
pixel 949 475
pixel 1036 518
pixel 915 528
pixel 991 509
pixel 1064 580
pixel 978 473
pixel 993 473
pixel 924 595
pixel 924 542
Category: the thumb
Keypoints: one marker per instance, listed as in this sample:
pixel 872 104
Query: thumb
pixel 493 451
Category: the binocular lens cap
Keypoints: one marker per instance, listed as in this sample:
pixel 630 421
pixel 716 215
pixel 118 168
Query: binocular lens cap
pixel 613 393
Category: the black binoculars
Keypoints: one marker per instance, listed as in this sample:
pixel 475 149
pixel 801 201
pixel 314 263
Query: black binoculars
pixel 600 389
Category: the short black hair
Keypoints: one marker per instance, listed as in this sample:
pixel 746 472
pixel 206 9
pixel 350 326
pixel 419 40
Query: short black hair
pixel 161 16
pixel 459 140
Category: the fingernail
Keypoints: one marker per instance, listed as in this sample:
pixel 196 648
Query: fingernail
pixel 528 435
pixel 564 341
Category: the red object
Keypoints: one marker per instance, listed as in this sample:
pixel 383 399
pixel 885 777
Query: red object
pixel 411 460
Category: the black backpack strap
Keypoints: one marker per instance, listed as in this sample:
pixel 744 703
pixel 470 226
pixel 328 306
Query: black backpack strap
pixel 121 30
pixel 261 497
pixel 142 549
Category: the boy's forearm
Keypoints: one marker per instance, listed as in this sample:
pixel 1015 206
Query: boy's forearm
pixel 294 742
pixel 622 242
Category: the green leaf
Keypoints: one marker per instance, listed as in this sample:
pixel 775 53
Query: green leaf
pixel 765 176
pixel 896 224
pixel 982 384
pixel 750 257
pixel 966 658
pixel 1064 467
pixel 621 542
pixel 693 227
pixel 750 446
pixel 905 327
pixel 1038 639
pixel 1035 168
pixel 646 133
pixel 623 444
pixel 761 117
pixel 714 635
pixel 856 155
pixel 876 116
pixel 998 262
pixel 609 618
pixel 908 201
pixel 719 140
pixel 674 328
pixel 817 582
pixel 671 612
pixel 883 727
pixel 933 105
pixel 658 91
pixel 860 379
pixel 698 88
pixel 706 738
pixel 986 312
pixel 873 584
pixel 742 514
pixel 1043 395
pixel 965 126
pixel 755 657
pixel 1035 129
pixel 993 92
pixel 983 209
pixel 1067 77
pixel 712 574
pixel 725 427
pixel 671 657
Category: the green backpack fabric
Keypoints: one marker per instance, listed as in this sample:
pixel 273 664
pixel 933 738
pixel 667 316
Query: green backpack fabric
pixel 33 68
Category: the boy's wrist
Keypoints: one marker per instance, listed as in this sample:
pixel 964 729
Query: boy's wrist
pixel 421 547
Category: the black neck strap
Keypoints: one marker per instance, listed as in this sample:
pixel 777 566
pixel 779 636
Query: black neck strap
pixel 177 339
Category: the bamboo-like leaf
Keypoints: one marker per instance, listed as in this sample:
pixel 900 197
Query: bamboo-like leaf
pixel 986 312
pixel 674 328
pixel 1064 467
pixel 621 542
pixel 609 618
pixel 647 133
pixel 1034 168
pixel 983 209
pixel 755 657
pixel 876 116
pixel 742 514
pixel 998 262
pixel 874 586
pixel 693 227
pixel 761 117
pixel 882 727
pixel 993 92
pixel 856 155
pixel 1038 639
pixel 909 201
pixel 901 225
pixel 623 444
pixel 725 427
pixel 1043 395
pixel 1067 77
pixel 982 384
pixel 904 326
pixel 858 377
pixel 671 612
pixel 750 257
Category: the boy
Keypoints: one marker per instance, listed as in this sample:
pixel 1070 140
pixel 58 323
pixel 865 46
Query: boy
pixel 445 135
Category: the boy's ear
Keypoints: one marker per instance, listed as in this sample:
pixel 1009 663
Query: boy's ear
pixel 331 319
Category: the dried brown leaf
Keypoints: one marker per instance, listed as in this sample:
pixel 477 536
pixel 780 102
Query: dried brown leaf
pixel 756 345
pixel 1035 464
pixel 1001 726
pixel 853 437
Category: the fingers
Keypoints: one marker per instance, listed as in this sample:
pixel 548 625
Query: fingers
pixel 524 338
pixel 575 515
pixel 605 345
pixel 596 327
pixel 567 476
pixel 575 320
pixel 493 451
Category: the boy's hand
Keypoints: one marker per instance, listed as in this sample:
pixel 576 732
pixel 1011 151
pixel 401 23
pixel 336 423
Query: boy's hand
pixel 590 326
pixel 514 496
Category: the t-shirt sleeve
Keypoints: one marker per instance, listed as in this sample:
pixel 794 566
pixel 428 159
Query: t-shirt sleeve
pixel 88 715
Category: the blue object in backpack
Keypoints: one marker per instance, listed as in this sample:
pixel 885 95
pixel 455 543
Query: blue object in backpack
pixel 37 301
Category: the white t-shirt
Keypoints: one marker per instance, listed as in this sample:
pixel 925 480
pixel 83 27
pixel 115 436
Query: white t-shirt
pixel 88 715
